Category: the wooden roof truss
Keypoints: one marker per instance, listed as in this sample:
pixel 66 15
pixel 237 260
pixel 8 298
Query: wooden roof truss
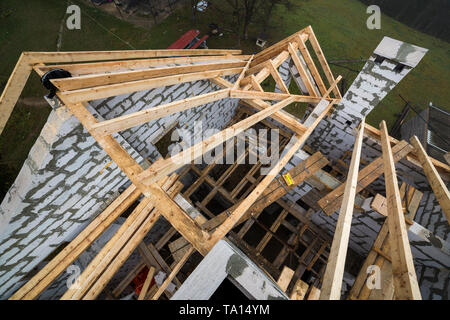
pixel 97 75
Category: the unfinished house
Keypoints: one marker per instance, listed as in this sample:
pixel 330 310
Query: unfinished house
pixel 172 174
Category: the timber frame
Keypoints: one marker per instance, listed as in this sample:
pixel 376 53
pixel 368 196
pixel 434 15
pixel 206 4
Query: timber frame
pixel 115 73
pixel 99 75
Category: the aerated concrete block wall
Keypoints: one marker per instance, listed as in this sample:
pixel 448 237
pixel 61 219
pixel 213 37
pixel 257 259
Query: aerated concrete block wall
pixel 60 187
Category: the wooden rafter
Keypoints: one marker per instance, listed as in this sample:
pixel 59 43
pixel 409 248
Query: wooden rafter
pixel 405 280
pixel 88 68
pixel 332 283
pixel 130 120
pixel 104 77
pixel 439 188
pixel 105 91
pixel 95 80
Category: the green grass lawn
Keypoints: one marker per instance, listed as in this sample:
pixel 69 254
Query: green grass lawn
pixel 340 27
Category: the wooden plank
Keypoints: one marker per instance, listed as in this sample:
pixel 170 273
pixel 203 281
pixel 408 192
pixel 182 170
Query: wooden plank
pixel 241 94
pixel 256 84
pixel 160 262
pixel 174 272
pixel 242 208
pixel 326 68
pixel 330 203
pixel 277 77
pixel 113 246
pixel 13 89
pixel 299 291
pixel 314 294
pixel 370 260
pixel 311 65
pixel 147 282
pixel 439 188
pixel 333 85
pixel 282 117
pixel 124 122
pixel 405 281
pixel 237 84
pixel 102 79
pixel 302 71
pixel 36 285
pixel 334 273
pixel 163 167
pixel 79 69
pixel 358 289
pixel 285 278
pixel 78 56
pixel 100 92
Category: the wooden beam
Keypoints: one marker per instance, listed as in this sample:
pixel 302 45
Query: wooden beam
pixel 285 278
pixel 277 77
pixel 299 291
pixel 405 281
pixel 311 65
pixel 94 93
pixel 256 84
pixel 333 85
pixel 265 72
pixel 13 89
pixel 146 284
pixel 295 143
pixel 334 273
pixel 241 94
pixel 174 272
pixel 439 188
pixel 314 294
pixel 302 71
pixel 237 84
pixel 124 122
pixel 282 117
pixel 165 166
pixel 326 68
pixel 79 56
pixel 102 79
pixel 79 69
pixel 100 284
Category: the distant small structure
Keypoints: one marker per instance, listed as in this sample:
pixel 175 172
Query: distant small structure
pixel 261 40
pixel 431 127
